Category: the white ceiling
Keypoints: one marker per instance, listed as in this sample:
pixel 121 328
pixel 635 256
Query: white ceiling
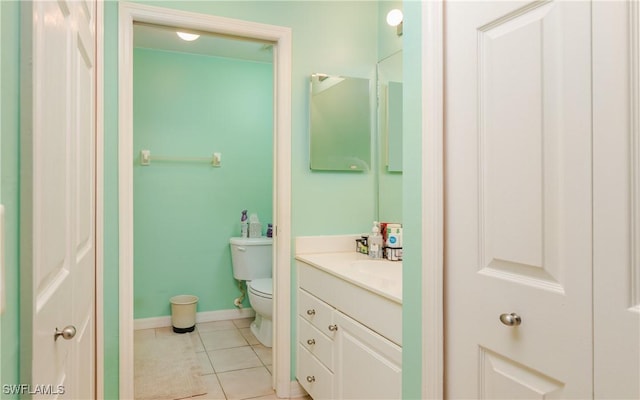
pixel 165 38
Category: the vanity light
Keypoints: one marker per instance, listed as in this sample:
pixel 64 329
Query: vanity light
pixel 394 18
pixel 189 37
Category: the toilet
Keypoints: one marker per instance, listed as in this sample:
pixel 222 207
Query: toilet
pixel 252 260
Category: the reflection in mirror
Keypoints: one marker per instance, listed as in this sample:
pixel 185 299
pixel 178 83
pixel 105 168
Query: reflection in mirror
pixel 340 131
pixel 390 138
pixel 394 126
pixel 390 111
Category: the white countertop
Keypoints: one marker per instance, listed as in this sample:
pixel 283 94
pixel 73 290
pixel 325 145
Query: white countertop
pixel 382 277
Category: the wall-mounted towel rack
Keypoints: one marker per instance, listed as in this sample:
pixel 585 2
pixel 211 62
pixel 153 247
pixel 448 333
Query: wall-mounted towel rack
pixel 146 158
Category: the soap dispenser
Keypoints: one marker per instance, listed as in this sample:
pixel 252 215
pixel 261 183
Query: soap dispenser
pixel 375 242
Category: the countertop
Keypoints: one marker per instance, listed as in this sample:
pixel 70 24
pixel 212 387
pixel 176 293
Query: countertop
pixel 382 277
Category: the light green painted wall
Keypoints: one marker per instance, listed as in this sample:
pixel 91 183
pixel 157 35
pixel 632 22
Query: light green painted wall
pixel 324 40
pixel 110 221
pixel 388 40
pixel 9 187
pixel 330 37
pixel 184 213
pixel 389 183
pixel 412 203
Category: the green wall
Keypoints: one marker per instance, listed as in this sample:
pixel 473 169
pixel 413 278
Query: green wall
pixel 389 183
pixel 110 269
pixel 412 203
pixel 9 187
pixel 190 105
pixel 329 37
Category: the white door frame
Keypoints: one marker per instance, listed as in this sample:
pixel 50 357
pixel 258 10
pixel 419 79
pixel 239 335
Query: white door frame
pixel 281 37
pixel 432 174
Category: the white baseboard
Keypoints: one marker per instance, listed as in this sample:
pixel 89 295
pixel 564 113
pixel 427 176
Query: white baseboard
pixel 205 316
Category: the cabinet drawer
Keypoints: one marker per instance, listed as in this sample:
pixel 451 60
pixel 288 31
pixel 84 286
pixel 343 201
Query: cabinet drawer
pixel 316 311
pixel 316 342
pixel 314 377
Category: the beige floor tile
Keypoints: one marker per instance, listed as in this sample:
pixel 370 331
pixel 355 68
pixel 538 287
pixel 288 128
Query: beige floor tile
pixel 205 364
pixel 271 396
pixel 214 390
pixel 144 334
pixel 233 359
pixel 217 340
pixel 215 326
pixel 246 332
pixel 243 322
pixel 264 353
pixel 246 383
pixel 197 343
pixel 168 331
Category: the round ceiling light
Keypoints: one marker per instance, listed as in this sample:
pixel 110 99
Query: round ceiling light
pixel 189 37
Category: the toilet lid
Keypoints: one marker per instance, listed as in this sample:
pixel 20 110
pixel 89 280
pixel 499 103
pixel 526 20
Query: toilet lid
pixel 262 287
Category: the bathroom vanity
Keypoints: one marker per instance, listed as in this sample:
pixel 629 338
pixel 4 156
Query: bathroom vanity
pixel 349 341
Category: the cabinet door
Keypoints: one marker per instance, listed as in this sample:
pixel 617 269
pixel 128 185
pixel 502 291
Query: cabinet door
pixel 368 366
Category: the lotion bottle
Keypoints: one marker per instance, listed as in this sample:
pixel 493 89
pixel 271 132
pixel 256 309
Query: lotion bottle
pixel 375 242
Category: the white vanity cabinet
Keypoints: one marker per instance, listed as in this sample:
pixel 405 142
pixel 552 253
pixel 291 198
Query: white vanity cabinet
pixel 349 339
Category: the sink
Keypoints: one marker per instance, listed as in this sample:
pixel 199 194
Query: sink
pixel 380 274
pixel 382 277
pixel 382 268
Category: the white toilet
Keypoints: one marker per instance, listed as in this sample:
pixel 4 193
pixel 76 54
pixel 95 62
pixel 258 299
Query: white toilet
pixel 252 260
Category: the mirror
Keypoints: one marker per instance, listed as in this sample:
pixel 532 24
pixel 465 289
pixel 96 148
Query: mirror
pixel 390 111
pixel 390 138
pixel 340 127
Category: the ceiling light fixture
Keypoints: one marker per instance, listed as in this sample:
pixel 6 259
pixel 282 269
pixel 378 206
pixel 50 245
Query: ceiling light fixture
pixel 189 37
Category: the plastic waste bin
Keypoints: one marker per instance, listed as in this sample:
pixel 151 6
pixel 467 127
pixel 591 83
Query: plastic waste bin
pixel 183 313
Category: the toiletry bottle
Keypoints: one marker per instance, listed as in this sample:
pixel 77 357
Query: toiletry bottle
pixel 244 225
pixel 255 227
pixel 269 230
pixel 375 242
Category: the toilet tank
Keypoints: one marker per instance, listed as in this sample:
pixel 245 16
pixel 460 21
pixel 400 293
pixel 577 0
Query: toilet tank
pixel 252 258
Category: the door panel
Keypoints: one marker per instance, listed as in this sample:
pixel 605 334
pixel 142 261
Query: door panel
pixel 616 200
pixel 502 378
pixel 58 195
pixel 518 199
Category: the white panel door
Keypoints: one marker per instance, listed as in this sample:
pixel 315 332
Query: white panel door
pixel 58 195
pixel 616 180
pixel 518 211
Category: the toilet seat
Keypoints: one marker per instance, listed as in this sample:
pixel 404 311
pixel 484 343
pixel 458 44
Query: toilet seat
pixel 262 287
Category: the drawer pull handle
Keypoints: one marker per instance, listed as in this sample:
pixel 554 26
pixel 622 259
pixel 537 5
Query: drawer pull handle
pixel 311 378
pixel 333 328
pixel 311 342
pixel 311 312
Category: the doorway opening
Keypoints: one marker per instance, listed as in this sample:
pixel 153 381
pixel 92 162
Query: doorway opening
pixel 280 38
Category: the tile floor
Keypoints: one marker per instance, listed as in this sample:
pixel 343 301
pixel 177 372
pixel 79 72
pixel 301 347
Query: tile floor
pixel 234 363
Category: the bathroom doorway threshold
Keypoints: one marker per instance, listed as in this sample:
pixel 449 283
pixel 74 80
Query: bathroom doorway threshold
pixel 281 39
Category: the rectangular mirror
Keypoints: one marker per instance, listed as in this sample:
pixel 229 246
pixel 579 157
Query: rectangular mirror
pixel 394 126
pixel 390 138
pixel 340 123
pixel 390 111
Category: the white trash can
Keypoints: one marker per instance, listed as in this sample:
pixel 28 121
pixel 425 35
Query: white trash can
pixel 183 313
